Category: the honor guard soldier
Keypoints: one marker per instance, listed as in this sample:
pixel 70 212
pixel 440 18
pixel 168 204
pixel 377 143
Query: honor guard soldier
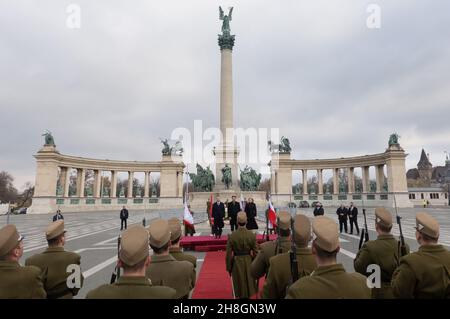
pixel 17 282
pixel 425 273
pixel 280 276
pixel 329 280
pixel 260 265
pixel 134 259
pixel 54 262
pixel 241 246
pixel 175 237
pixel 164 269
pixel 384 252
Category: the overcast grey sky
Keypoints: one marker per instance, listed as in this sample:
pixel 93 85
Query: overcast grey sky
pixel 136 70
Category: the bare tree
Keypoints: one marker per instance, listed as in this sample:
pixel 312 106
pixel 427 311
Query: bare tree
pixel 8 193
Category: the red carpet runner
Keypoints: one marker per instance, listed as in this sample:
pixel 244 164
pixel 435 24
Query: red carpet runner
pixel 214 281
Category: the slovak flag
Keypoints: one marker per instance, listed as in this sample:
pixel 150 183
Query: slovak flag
pixel 242 203
pixel 272 215
pixel 188 220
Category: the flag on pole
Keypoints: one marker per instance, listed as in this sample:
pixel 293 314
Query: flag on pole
pixel 242 203
pixel 211 219
pixel 188 220
pixel 271 215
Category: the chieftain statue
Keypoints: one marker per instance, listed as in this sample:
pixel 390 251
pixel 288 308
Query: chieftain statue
pixel 203 181
pixel 49 140
pixel 177 149
pixel 283 147
pixel 393 139
pixel 250 179
pixel 226 176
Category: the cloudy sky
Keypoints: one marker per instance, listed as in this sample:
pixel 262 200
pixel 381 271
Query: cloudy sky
pixel 136 70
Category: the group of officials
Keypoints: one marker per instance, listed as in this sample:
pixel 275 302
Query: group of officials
pixel 300 263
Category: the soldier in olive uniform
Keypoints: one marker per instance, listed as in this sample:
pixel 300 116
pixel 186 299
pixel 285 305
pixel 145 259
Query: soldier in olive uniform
pixel 164 269
pixel 175 237
pixel 260 264
pixel 134 259
pixel 54 261
pixel 241 246
pixel 17 281
pixel 384 252
pixel 425 273
pixel 280 276
pixel 329 280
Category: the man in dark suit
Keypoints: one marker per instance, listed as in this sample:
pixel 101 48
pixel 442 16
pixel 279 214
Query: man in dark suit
pixel 123 218
pixel 218 213
pixel 57 216
pixel 342 216
pixel 353 217
pixel 318 210
pixel 233 209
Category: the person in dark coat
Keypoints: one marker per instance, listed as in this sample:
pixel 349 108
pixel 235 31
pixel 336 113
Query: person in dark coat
pixel 123 218
pixel 353 218
pixel 58 216
pixel 233 209
pixel 218 213
pixel 250 210
pixel 318 210
pixel 342 216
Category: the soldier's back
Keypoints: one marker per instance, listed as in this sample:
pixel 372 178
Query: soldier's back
pixel 179 255
pixel 132 288
pixel 423 274
pixel 167 271
pixel 279 276
pixel 53 263
pixel 242 239
pixel 17 282
pixel 330 282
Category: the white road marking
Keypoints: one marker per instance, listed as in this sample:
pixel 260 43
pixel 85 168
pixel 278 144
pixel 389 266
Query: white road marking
pixel 92 248
pixel 348 253
pixel 99 267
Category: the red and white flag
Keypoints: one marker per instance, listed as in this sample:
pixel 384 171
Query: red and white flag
pixel 188 220
pixel 271 216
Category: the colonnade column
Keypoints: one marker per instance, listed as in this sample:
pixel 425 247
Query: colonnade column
pixel 305 181
pixel 351 180
pixel 130 184
pixel 320 182
pixel 365 179
pixel 379 177
pixel 335 181
pixel 113 184
pixel 97 182
pixel 81 178
pixel 146 184
pixel 66 181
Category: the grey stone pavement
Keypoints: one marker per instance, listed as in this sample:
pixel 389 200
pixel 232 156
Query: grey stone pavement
pixel 94 235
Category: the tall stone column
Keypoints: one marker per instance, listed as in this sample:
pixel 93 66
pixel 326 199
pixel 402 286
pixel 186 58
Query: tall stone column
pixel 130 184
pixel 146 184
pixel 379 177
pixel 113 184
pixel 66 181
pixel 320 182
pixel 336 181
pixel 81 179
pixel 97 183
pixel 305 181
pixel 366 179
pixel 351 180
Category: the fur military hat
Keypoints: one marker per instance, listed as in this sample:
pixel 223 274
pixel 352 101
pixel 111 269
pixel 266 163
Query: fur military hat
pixel 159 233
pixel 242 217
pixel 427 225
pixel 9 239
pixel 327 234
pixel 302 228
pixel 284 220
pixel 175 228
pixel 383 216
pixel 55 229
pixel 134 245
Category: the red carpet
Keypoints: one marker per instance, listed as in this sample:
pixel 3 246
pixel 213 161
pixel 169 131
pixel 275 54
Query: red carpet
pixel 209 243
pixel 214 282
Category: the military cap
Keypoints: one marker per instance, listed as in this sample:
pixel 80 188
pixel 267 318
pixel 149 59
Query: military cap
pixel 159 233
pixel 134 245
pixel 383 216
pixel 327 234
pixel 427 225
pixel 55 229
pixel 9 239
pixel 284 220
pixel 242 217
pixel 302 228
pixel 175 228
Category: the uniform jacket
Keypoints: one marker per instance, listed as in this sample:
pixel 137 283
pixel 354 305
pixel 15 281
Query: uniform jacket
pixel 53 264
pixel 330 282
pixel 260 264
pixel 17 282
pixel 179 255
pixel 280 276
pixel 423 274
pixel 132 288
pixel 167 271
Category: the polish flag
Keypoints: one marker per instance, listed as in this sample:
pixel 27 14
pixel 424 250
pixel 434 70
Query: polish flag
pixel 272 215
pixel 188 220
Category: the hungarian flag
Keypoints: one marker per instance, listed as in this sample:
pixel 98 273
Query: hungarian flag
pixel 211 219
pixel 272 215
pixel 188 220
